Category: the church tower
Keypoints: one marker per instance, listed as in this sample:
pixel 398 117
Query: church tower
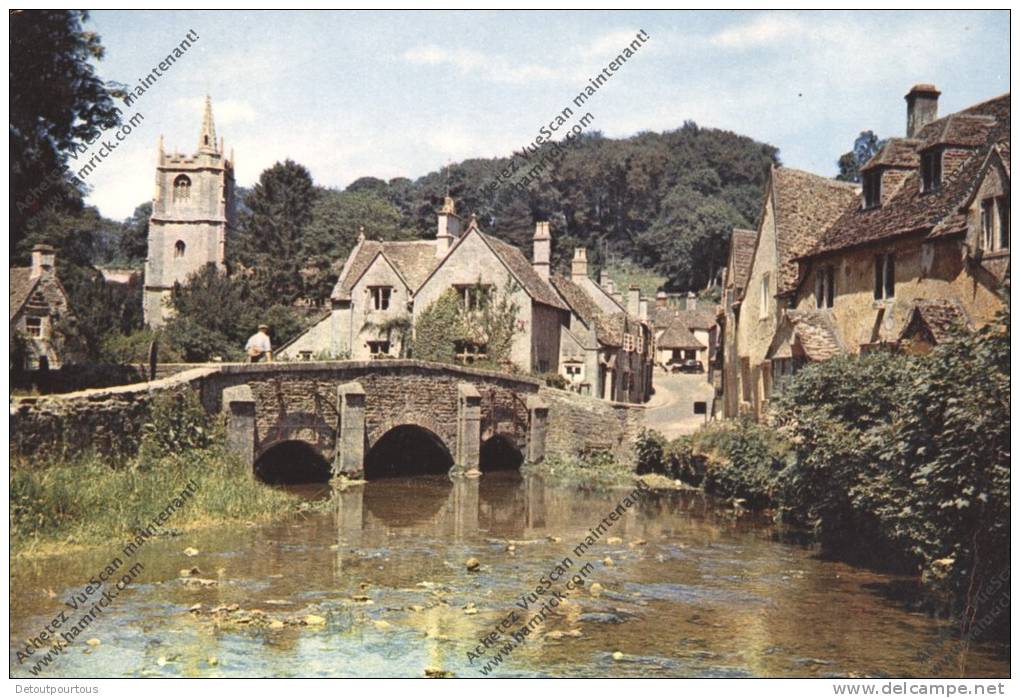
pixel 192 214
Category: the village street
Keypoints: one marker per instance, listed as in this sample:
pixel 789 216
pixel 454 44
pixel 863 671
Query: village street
pixel 669 411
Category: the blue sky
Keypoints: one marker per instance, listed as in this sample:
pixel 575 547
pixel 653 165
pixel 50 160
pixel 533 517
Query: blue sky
pixel 401 93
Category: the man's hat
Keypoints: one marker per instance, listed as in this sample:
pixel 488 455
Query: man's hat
pixel 263 327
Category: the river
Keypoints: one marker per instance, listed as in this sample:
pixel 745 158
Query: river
pixel 379 585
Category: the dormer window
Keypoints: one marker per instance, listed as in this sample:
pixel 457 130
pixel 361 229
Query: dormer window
pixel 931 170
pixel 872 188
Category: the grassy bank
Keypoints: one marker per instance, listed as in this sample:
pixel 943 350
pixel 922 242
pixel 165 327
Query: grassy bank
pixel 58 505
pixel 892 460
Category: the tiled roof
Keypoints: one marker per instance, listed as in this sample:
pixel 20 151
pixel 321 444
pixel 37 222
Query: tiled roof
pixel 962 129
pixel 413 260
pixel 1003 148
pixel 742 252
pixel 609 329
pixel 700 318
pixel 911 211
pixel 521 268
pixel 21 288
pixel 678 336
pixel 579 301
pixel 897 152
pixel 805 206
pixel 816 334
pixel 939 316
pixel 660 317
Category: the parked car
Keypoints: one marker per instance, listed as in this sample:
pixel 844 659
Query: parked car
pixel 688 366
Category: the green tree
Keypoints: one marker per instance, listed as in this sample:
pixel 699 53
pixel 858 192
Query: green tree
pixel 270 241
pixel 850 163
pixel 336 220
pixel 134 240
pixel 57 104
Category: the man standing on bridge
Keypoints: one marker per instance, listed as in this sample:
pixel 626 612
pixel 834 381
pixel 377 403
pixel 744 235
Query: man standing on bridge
pixel 259 346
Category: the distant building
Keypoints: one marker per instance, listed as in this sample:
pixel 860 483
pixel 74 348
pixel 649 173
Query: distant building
pixel 579 331
pixel 38 304
pixel 192 214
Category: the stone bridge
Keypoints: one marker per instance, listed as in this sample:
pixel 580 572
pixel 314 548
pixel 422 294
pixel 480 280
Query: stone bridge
pixel 348 417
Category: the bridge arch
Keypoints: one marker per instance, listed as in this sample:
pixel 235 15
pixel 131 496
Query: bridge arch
pixel 407 449
pixel 500 452
pixel 292 462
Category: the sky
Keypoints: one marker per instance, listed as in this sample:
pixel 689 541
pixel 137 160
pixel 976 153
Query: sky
pixel 387 94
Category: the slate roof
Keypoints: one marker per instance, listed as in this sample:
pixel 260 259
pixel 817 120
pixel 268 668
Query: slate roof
pixel 939 316
pixel 742 253
pixel 413 259
pixel 814 331
pixel 805 206
pixel 700 318
pixel 21 288
pixel 911 211
pixel 678 336
pixel 521 268
pixel 579 301
pixel 609 329
pixel 961 128
pixel 897 152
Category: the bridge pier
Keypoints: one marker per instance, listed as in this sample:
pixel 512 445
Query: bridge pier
pixel 538 423
pixel 469 431
pixel 239 407
pixel 350 431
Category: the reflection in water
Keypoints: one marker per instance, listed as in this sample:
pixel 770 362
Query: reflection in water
pixel 689 590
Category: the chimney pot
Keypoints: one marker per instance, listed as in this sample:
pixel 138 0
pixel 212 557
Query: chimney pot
pixel 643 310
pixel 44 260
pixel 692 301
pixel 634 300
pixel 660 299
pixel 542 249
pixel 922 108
pixel 579 265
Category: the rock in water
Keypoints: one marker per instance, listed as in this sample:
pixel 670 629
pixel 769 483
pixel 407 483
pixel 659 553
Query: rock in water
pixel 93 642
pixel 190 552
pixel 595 589
pixel 472 564
pixel 312 619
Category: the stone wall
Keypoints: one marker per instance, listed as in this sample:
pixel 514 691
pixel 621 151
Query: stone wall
pixel 299 401
pixel 579 424
pixel 104 420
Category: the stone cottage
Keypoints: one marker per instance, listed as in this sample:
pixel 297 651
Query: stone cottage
pixel 608 354
pixel 797 209
pixel 921 251
pixel 738 269
pixel 38 304
pixel 925 247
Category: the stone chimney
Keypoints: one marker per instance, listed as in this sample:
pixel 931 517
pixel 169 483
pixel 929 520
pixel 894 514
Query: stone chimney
pixel 448 228
pixel 542 249
pixel 44 260
pixel 660 299
pixel 922 108
pixel 692 301
pixel 579 265
pixel 643 310
pixel 634 300
pixel 608 285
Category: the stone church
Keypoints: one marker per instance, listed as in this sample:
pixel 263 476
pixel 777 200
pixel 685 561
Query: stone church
pixel 193 212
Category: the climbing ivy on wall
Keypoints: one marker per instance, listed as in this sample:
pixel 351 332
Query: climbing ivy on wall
pixel 447 322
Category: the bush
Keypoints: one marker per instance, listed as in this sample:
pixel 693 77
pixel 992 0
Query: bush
pixel 177 424
pixel 554 380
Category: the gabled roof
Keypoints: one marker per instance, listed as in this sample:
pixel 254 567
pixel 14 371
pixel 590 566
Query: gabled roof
pixel 814 332
pixel 960 129
pixel 897 152
pixel 938 316
pixel 678 336
pixel 413 260
pixel 742 254
pixel 521 268
pixel 702 317
pixel 969 181
pixel 911 211
pixel 805 206
pixel 575 297
pixel 22 286
pixel 609 329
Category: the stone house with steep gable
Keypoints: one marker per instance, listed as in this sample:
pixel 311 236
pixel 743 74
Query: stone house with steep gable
pixel 797 209
pixel 37 306
pixel 925 248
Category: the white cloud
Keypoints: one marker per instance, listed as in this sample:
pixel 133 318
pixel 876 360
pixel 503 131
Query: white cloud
pixel 468 61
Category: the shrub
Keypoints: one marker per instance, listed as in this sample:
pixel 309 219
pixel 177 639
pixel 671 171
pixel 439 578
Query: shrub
pixel 554 380
pixel 177 424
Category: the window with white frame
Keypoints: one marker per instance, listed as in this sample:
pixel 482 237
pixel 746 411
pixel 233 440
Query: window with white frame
pixel 33 326
pixel 378 348
pixel 468 352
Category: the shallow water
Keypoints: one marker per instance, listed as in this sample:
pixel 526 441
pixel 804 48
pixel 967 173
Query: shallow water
pixel 691 590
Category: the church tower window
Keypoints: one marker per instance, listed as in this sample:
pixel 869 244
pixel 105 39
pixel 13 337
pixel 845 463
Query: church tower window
pixel 182 188
pixel 179 249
